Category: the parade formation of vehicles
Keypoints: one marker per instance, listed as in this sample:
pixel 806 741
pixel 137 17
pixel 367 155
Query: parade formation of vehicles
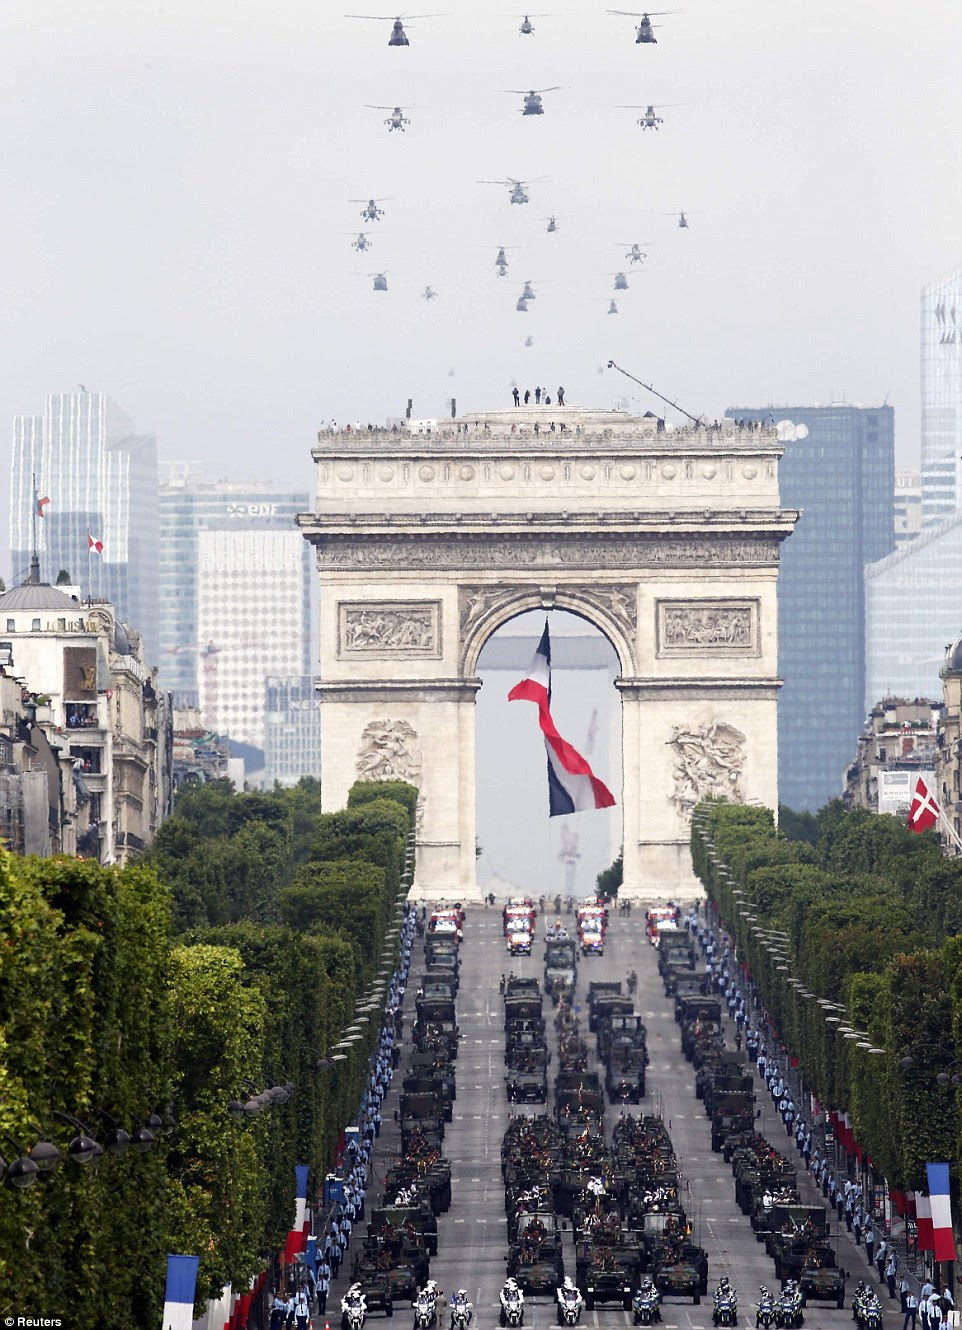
pixel 608 1202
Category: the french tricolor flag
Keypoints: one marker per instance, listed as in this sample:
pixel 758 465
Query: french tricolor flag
pixel 179 1294
pixel 940 1202
pixel 572 785
pixel 923 1221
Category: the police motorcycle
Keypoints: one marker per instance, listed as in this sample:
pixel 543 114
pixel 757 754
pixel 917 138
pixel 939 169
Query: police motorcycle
pixel 866 1308
pixel 788 1308
pixel 512 1304
pixel 724 1304
pixel 460 1310
pixel 646 1304
pixel 765 1309
pixel 353 1309
pixel 570 1302
pixel 426 1306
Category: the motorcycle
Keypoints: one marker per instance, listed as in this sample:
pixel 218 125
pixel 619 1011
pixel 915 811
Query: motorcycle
pixel 512 1308
pixel 645 1306
pixel 353 1314
pixel 867 1310
pixel 570 1305
pixel 724 1309
pixel 425 1311
pixel 765 1311
pixel 788 1310
pixel 460 1315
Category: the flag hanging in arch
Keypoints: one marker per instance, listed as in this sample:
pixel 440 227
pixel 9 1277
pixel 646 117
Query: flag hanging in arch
pixel 572 785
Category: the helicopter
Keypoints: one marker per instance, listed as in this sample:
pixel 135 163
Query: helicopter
pixel 371 213
pixel 518 192
pixel 621 281
pixel 527 27
pixel 360 242
pixel 612 308
pixel 429 294
pixel 635 253
pixel 682 218
pixel 650 120
pixel 380 280
pixel 529 340
pixel 398 36
pixel 396 120
pixel 552 225
pixel 501 262
pixel 532 99
pixel 522 305
pixel 528 292
pixel 644 36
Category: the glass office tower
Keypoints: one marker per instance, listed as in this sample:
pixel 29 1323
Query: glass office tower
pixel 839 469
pixel 234 588
pixel 100 478
pixel 941 397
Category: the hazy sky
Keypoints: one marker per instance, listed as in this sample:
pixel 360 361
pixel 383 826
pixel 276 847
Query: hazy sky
pixel 175 178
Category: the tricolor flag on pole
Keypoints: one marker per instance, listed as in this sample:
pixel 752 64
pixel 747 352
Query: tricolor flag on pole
pixel 179 1297
pixel 923 1221
pixel 924 812
pixel 940 1203
pixel 572 785
pixel 94 543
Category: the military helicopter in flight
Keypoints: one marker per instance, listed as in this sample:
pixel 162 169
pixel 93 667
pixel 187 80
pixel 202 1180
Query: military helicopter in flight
pixel 528 293
pixel 682 218
pixel 396 120
pixel 621 281
pixel 552 225
pixel 501 260
pixel 532 99
pixel 644 35
pixel 650 120
pixel 635 253
pixel 371 212
pixel 527 27
pixel 380 280
pixel 360 243
pixel 529 340
pixel 398 36
pixel 522 305
pixel 518 192
pixel 429 294
pixel 612 308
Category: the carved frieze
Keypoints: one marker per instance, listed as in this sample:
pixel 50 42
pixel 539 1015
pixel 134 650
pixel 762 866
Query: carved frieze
pixel 389 628
pixel 389 751
pixel 707 627
pixel 709 760
pixel 527 553
pixel 616 601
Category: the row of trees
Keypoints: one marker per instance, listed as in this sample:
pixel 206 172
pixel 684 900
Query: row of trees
pixel 862 913
pixel 233 956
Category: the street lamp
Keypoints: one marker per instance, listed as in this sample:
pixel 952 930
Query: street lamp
pixel 83 1148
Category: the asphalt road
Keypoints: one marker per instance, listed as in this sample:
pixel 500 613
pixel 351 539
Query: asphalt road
pixel 472 1240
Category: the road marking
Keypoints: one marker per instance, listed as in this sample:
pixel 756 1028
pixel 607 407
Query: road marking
pixel 460 1221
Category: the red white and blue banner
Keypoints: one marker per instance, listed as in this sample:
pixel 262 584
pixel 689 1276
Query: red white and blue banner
pixel 572 785
pixel 923 1221
pixel 179 1293
pixel 297 1236
pixel 940 1202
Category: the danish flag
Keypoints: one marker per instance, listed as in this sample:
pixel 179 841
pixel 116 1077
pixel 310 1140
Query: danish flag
pixel 924 812
pixel 94 544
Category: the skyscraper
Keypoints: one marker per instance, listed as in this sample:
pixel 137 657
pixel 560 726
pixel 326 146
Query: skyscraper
pixel 100 478
pixel 839 469
pixel 941 397
pixel 234 585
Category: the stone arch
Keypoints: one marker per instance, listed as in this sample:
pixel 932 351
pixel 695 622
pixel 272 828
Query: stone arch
pixel 611 608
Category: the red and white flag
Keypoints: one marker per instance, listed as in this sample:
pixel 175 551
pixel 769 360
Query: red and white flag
pixel 923 1221
pixel 572 785
pixel 41 505
pixel 924 812
pixel 95 544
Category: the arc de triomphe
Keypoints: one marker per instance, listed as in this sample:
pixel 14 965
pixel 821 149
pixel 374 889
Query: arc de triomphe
pixel 429 538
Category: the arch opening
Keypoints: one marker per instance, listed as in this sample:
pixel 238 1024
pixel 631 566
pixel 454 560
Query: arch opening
pixel 521 849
